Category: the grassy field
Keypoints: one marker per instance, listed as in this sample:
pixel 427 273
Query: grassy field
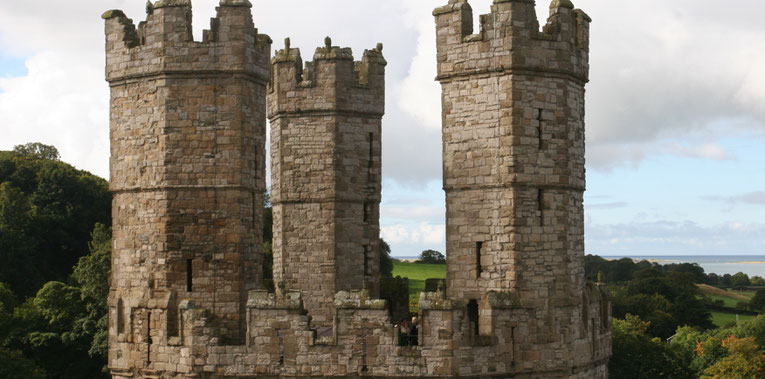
pixel 730 298
pixel 721 319
pixel 417 273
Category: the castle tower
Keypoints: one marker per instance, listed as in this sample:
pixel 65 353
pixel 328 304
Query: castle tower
pixel 326 172
pixel 187 172
pixel 514 176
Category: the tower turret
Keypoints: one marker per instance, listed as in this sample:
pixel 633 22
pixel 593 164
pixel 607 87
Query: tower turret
pixel 187 172
pixel 513 145
pixel 326 172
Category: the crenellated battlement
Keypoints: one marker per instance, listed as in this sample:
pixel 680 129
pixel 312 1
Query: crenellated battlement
pixel 164 43
pixel 333 81
pixel 509 39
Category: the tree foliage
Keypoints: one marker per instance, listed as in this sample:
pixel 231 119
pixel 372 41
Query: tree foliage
pixel 92 275
pixel 667 301
pixel 431 257
pixel 758 301
pixel 47 210
pixel 740 280
pixel 744 360
pixel 38 150
pixel 386 262
pixel 637 355
pixel 62 330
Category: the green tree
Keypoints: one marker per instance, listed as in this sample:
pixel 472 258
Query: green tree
pixel 14 365
pixel 637 355
pixel 666 300
pixel 62 330
pixel 386 262
pixel 19 255
pixel 47 211
pixel 757 303
pixel 92 275
pixel 740 280
pixel 726 280
pixel 745 360
pixel 38 150
pixel 432 257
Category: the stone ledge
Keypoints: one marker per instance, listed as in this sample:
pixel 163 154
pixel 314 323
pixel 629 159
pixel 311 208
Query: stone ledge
pixel 172 3
pixel 357 300
pixel 236 3
pixel 261 299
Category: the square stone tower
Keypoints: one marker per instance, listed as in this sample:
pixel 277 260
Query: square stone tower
pixel 326 123
pixel 187 127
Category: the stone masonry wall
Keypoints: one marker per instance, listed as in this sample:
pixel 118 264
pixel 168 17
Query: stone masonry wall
pixel 326 173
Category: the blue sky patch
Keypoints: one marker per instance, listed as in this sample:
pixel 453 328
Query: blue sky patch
pixel 12 67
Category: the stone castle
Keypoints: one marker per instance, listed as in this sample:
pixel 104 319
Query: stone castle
pixel 188 134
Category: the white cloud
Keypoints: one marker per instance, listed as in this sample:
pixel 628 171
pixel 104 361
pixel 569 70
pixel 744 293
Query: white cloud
pixel 679 70
pixel 674 238
pixel 708 150
pixel 424 233
pixel 61 102
pixel 414 212
pixel 613 205
pixel 751 198
pixel 420 94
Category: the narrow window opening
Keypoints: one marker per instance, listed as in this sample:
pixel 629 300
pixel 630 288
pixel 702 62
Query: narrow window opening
pixel 254 204
pixel 472 309
pixel 366 260
pixel 189 275
pixel 478 251
pixel 148 337
pixel 120 316
pixel 594 338
pixel 172 318
pixel 585 311
pixel 371 149
pixel 281 347
pixel 367 211
pixel 514 362
pixel 540 206
pixel 364 351
pixel 540 129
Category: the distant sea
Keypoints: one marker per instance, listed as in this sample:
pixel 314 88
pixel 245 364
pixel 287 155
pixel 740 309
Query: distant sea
pixel 719 264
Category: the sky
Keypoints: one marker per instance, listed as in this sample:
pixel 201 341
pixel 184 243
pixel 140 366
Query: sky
pixel 675 120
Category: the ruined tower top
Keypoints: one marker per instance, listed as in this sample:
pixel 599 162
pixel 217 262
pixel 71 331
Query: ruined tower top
pixel 509 38
pixel 332 81
pixel 164 42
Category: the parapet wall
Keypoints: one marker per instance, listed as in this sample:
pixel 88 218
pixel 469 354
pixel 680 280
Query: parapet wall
pixel 333 81
pixel 363 342
pixel 164 42
pixel 509 39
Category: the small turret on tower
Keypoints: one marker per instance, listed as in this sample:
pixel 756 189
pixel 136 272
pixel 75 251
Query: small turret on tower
pixel 326 172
